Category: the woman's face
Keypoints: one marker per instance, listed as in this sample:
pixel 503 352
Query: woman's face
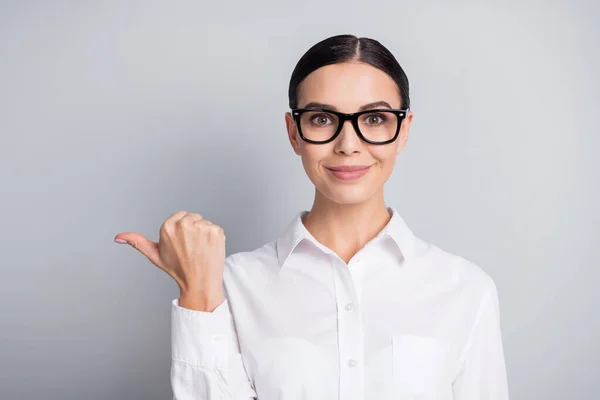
pixel 347 87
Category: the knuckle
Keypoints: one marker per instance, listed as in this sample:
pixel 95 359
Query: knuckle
pixel 203 223
pixel 167 227
pixel 171 222
pixel 216 230
pixel 186 222
pixel 178 215
pixel 200 225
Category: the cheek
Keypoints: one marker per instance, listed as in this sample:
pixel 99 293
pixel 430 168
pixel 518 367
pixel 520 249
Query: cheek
pixel 385 157
pixel 313 155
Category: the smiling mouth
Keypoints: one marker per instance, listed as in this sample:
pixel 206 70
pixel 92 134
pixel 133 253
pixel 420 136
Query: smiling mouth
pixel 349 173
pixel 349 168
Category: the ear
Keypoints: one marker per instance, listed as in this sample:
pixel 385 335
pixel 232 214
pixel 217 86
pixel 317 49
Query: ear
pixel 404 130
pixel 292 130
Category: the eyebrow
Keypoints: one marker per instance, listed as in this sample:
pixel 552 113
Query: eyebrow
pixel 376 104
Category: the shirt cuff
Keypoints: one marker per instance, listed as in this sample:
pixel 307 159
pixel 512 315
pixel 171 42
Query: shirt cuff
pixel 202 338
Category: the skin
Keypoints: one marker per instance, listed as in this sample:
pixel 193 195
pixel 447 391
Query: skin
pixel 345 215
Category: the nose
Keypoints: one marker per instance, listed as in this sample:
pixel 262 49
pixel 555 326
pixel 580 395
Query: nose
pixel 348 141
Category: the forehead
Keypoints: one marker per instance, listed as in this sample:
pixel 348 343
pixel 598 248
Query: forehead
pixel 347 86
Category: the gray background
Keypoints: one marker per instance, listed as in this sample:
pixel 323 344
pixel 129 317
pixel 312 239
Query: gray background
pixel 114 115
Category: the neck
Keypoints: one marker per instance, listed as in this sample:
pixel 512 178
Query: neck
pixel 346 228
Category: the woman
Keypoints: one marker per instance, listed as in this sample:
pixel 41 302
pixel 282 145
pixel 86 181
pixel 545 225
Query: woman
pixel 348 303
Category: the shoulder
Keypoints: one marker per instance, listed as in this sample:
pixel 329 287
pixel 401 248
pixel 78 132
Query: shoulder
pixel 465 275
pixel 265 254
pixel 252 264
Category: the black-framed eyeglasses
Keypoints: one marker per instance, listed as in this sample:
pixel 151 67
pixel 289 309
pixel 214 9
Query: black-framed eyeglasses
pixel 377 126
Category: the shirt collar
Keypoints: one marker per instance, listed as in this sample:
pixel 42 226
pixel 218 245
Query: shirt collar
pixel 295 232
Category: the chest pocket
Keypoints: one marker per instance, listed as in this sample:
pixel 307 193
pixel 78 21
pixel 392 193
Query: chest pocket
pixel 421 368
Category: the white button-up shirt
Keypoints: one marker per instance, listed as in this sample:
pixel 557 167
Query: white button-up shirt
pixel 402 320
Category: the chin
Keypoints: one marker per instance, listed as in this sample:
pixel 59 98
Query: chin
pixel 348 195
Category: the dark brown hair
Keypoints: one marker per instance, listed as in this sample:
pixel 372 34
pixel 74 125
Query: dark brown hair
pixel 343 48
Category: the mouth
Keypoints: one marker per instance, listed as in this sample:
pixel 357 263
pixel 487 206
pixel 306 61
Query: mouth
pixel 349 172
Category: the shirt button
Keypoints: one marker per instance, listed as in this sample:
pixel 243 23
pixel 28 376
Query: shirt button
pixel 349 307
pixel 351 363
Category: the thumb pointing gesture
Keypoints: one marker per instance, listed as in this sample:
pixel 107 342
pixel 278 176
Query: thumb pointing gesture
pixel 143 245
pixel 191 250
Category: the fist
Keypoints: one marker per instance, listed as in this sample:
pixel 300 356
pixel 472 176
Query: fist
pixel 190 249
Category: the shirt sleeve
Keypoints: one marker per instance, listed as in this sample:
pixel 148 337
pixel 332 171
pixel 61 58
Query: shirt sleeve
pixel 206 363
pixel 483 372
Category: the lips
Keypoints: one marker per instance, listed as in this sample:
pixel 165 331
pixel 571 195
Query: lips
pixel 348 168
pixel 349 172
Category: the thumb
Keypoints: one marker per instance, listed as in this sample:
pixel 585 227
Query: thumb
pixel 143 245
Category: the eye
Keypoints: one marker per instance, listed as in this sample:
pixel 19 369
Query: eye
pixel 321 119
pixel 374 119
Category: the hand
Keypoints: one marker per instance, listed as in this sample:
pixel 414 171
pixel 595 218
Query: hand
pixel 191 250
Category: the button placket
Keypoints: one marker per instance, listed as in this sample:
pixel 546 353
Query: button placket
pixel 350 335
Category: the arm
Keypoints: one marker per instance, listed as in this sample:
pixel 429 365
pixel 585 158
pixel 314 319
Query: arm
pixel 483 373
pixel 206 362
